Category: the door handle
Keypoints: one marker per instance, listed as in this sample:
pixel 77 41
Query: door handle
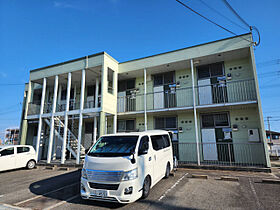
pixel 150 158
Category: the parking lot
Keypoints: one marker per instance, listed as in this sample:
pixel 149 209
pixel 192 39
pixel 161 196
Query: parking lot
pixel 56 189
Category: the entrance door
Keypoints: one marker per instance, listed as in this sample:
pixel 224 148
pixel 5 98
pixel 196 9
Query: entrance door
pixel 205 91
pixel 209 144
pixel 158 97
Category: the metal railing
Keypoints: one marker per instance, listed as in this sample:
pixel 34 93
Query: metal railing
pixel 226 92
pixel 180 97
pixel 220 93
pixel 48 107
pixel 221 154
pixel 91 103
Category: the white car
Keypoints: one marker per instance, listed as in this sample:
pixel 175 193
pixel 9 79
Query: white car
pixel 124 167
pixel 17 156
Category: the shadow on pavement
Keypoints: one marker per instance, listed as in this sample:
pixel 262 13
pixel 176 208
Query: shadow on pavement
pixel 63 187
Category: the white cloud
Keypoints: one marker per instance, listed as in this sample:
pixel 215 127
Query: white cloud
pixel 3 74
pixel 61 4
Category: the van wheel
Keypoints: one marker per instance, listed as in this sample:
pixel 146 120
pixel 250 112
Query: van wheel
pixel 146 187
pixel 31 164
pixel 167 172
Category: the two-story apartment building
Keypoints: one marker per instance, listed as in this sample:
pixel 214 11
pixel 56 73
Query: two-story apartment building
pixel 207 95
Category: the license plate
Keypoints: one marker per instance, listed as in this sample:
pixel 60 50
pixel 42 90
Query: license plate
pixel 101 193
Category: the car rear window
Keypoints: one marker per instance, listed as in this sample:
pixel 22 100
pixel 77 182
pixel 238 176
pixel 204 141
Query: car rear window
pixel 23 149
pixel 160 141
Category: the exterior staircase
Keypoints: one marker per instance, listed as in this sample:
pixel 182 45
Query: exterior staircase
pixel 72 140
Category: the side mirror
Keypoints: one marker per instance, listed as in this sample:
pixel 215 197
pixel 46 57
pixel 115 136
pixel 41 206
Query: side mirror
pixel 86 151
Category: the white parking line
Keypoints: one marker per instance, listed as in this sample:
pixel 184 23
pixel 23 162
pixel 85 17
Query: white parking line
pixel 62 202
pixel 38 196
pixel 10 207
pixel 174 185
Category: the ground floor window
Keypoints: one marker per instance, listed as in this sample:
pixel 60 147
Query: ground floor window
pixel 126 125
pixel 166 123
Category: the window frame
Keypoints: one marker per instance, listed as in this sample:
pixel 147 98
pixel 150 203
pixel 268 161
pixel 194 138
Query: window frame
pixel 164 122
pixel 140 143
pixel 209 70
pixel 215 114
pixel 163 75
pixel 22 151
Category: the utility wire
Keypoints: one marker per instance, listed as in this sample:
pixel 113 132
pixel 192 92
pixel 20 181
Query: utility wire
pixel 212 21
pixel 213 9
pixel 236 14
pixel 3 84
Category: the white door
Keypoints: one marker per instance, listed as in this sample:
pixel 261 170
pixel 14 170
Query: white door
pixel 205 91
pixel 121 101
pixel 145 160
pixel 22 156
pixel 209 144
pixel 158 97
pixel 7 159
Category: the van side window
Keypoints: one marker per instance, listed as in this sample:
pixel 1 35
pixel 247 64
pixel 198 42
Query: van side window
pixel 144 145
pixel 8 151
pixel 166 141
pixel 23 149
pixel 158 142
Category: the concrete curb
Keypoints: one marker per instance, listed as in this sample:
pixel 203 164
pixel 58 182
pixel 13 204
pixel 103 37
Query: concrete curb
pixel 230 178
pixel 199 176
pixel 63 169
pixel 271 181
pixel 226 168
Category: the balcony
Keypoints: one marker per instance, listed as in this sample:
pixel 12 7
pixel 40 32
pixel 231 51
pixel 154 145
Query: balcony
pixel 226 92
pixel 33 108
pixel 219 93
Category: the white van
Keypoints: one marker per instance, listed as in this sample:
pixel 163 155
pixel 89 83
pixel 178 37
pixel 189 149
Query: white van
pixel 17 156
pixel 124 167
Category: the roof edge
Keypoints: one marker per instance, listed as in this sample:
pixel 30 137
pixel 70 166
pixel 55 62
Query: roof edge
pixel 186 48
pixel 69 61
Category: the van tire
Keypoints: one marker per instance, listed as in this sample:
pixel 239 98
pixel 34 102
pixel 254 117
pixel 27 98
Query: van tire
pixel 146 187
pixel 167 172
pixel 30 164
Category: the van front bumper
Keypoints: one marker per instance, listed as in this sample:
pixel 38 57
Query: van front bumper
pixel 126 192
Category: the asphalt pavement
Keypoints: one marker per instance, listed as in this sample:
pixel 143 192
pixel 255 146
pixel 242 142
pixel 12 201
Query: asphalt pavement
pixel 55 189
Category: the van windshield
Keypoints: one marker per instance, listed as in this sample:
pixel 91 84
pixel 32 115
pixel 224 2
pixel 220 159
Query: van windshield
pixel 114 146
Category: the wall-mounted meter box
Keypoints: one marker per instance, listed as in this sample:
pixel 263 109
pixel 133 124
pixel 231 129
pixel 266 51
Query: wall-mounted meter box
pixel 253 135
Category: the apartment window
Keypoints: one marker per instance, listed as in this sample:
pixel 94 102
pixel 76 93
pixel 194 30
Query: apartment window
pixel 110 77
pixel 37 95
pixel 164 79
pixel 63 94
pixel 211 70
pixel 215 120
pixel 166 123
pixel 90 90
pixel 126 85
pixel 126 125
pixel 89 127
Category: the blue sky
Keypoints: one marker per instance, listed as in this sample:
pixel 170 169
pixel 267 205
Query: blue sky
pixel 36 33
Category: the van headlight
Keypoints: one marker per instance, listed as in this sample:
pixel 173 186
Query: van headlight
pixel 84 173
pixel 130 175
